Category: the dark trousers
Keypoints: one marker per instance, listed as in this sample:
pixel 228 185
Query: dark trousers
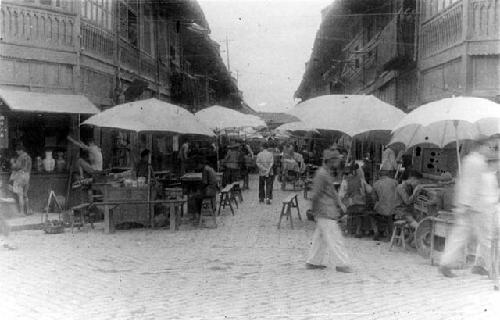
pixel 265 187
pixel 271 186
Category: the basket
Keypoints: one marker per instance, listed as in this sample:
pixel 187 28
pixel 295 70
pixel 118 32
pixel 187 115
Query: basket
pixel 53 227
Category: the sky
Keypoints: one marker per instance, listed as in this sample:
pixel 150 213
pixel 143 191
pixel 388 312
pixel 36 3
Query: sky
pixel 269 43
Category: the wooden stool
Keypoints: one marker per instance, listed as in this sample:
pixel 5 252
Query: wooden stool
pixel 208 209
pixel 175 194
pixel 400 234
pixel 77 216
pixel 307 187
pixel 236 190
pixel 288 203
pixel 225 198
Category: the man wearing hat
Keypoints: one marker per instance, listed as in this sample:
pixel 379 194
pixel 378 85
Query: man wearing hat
pixel 326 208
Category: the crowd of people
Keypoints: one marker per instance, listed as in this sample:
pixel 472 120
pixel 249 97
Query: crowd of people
pixel 388 200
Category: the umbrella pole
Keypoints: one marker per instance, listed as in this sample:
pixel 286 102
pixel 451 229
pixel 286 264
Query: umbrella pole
pixel 217 151
pixel 149 181
pixel 457 145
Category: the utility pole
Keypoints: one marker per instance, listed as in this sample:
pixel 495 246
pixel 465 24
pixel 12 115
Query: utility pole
pixel 227 54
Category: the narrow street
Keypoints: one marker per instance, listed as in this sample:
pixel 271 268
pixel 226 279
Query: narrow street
pixel 243 269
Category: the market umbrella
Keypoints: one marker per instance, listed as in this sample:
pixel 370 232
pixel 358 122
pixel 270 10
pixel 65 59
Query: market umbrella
pixel 449 120
pixel 296 126
pixel 219 118
pixel 354 115
pixel 351 114
pixel 150 115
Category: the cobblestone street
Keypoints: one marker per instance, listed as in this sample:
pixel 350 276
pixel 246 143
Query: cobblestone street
pixel 243 269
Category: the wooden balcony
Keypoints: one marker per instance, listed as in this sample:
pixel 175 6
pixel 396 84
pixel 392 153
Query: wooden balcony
pixel 96 41
pixel 396 42
pixel 36 27
pixel 129 56
pixel 442 31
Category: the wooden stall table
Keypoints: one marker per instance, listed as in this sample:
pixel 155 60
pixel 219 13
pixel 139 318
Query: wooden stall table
pixel 441 227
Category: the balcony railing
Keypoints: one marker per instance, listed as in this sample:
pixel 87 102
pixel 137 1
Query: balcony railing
pixel 148 66
pixel 129 56
pixel 96 40
pixel 442 31
pixel 37 27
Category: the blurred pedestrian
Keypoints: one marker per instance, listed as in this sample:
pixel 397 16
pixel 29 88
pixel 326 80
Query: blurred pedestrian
pixel 476 199
pixel 326 207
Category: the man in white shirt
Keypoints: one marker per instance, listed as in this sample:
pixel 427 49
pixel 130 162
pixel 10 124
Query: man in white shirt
pixel 476 199
pixel 265 162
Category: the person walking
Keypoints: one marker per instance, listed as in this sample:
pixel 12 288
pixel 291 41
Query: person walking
pixel 476 199
pixel 264 163
pixel 326 207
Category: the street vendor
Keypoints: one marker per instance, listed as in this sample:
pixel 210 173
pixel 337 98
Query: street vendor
pixel 232 163
pixel 389 162
pixel 209 184
pixel 20 177
pixel 406 194
pixel 94 163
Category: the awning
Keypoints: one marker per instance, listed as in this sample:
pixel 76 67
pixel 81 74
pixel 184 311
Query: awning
pixel 45 102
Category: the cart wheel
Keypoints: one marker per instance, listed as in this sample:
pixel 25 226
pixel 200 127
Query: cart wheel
pixel 423 238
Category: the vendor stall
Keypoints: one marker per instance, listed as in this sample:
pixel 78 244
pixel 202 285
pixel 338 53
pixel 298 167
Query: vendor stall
pixel 41 122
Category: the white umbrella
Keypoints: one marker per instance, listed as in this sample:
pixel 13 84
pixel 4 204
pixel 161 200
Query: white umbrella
pixel 296 126
pixel 151 115
pixel 351 114
pixel 220 118
pixel 447 120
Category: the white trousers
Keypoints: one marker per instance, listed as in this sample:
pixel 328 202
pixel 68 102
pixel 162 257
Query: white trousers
pixel 470 227
pixel 328 245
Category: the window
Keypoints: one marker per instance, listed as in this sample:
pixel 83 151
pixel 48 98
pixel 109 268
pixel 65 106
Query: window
pixel 98 11
pixel 148 31
pixel 128 23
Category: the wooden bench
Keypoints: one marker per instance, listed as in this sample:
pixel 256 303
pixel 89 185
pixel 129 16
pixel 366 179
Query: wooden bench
pixel 226 197
pixel 286 210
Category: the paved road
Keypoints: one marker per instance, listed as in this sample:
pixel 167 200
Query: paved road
pixel 244 269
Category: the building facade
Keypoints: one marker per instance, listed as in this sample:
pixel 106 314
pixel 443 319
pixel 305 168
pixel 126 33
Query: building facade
pixel 406 52
pixel 459 49
pixel 109 51
pixel 365 47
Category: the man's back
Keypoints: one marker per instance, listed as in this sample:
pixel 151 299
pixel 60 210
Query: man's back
pixel 385 189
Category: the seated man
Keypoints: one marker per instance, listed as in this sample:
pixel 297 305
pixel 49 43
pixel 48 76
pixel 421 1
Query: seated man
pixel 406 193
pixel 94 163
pixel 209 185
pixel 384 193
